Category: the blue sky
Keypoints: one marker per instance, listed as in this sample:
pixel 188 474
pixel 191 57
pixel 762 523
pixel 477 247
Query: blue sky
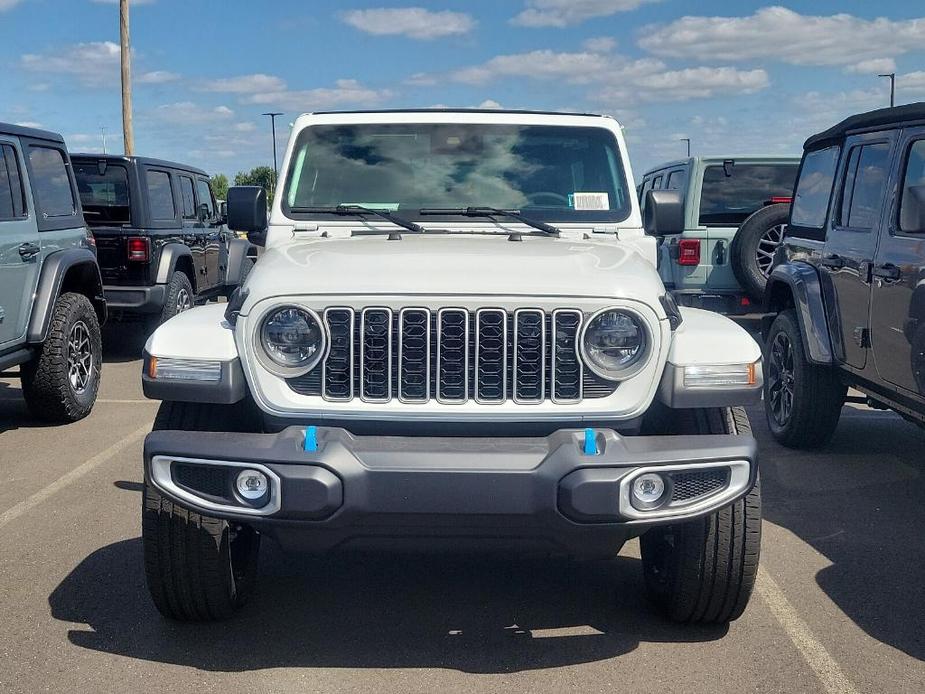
pixel 737 78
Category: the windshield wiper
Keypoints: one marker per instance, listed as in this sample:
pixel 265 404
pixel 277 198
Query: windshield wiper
pixel 361 211
pixel 547 229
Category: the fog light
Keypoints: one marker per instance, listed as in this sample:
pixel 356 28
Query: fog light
pixel 648 490
pixel 252 484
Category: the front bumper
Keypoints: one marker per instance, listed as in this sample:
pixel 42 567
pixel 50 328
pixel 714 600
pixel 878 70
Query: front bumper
pixel 547 492
pixel 135 299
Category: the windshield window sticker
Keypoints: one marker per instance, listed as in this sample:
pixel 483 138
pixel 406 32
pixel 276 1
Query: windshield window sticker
pixel 589 201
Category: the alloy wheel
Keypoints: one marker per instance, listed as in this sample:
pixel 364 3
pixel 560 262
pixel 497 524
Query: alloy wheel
pixel 79 357
pixel 767 245
pixel 781 379
pixel 184 301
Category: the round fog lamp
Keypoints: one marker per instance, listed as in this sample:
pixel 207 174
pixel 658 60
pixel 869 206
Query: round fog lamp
pixel 252 484
pixel 648 490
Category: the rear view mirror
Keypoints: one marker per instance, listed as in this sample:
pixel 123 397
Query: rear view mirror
pixel 664 213
pixel 247 211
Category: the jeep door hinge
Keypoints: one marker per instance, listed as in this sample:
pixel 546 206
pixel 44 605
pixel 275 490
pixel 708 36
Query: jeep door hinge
pixel 862 337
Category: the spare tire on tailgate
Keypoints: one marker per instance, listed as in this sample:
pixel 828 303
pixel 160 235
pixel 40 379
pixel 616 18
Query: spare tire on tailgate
pixel 754 245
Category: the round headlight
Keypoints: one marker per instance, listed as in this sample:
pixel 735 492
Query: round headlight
pixel 614 344
pixel 292 338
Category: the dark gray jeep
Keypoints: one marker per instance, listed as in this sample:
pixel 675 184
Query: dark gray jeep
pixel 848 287
pixel 51 293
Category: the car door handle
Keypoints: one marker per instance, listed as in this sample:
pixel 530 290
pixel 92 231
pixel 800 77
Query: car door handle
pixel 887 271
pixel 28 250
pixel 834 262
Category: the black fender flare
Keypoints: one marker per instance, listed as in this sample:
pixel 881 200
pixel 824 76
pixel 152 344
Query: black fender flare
pixel 239 252
pixel 167 263
pixel 70 269
pixel 798 283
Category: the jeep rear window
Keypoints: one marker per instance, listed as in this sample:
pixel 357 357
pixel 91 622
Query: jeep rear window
pixel 406 167
pixel 731 191
pixel 103 189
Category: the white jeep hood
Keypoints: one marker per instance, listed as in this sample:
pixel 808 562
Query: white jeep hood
pixel 461 264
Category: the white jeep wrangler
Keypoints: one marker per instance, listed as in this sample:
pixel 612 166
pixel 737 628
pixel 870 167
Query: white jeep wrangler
pixel 456 335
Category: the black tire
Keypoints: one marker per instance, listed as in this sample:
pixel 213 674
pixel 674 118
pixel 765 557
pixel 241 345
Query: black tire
pixel 815 393
pixel 703 571
pixel 179 297
pixel 61 383
pixel 754 244
pixel 198 568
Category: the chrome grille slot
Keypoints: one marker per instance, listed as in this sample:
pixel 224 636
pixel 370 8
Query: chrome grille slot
pixel 337 368
pixel 491 356
pixel 566 366
pixel 376 355
pixel 452 355
pixel 414 355
pixel 529 356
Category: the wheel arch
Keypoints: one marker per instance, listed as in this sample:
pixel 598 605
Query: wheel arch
pixel 69 270
pixel 797 286
pixel 174 257
pixel 240 251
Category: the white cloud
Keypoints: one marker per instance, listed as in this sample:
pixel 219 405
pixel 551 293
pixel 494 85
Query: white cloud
pixel 157 77
pixel 29 124
pixel 413 22
pixel 8 4
pixel 244 127
pixel 778 33
pixel 343 93
pixel 874 66
pixel 94 64
pixel 421 79
pixel 186 112
pixel 599 44
pixel 681 85
pixel 911 82
pixel 577 68
pixel 245 84
pixel 116 2
pixel 489 103
pixel 561 13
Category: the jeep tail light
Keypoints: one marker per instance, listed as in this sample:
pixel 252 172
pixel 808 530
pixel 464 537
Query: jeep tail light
pixel 138 248
pixel 689 252
pixel 778 199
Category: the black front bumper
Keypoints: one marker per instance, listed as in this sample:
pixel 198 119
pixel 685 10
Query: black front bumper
pixel 545 492
pixel 135 299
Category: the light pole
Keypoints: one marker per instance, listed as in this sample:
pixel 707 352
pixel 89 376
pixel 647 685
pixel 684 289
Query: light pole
pixel 892 76
pixel 688 141
pixel 128 133
pixel 273 116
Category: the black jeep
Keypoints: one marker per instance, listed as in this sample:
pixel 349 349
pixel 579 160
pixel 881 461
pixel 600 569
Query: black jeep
pixel 162 241
pixel 848 285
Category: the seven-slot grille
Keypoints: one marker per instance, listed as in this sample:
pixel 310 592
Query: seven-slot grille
pixel 452 355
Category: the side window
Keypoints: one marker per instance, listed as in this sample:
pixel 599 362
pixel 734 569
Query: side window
pixel 676 180
pixel 657 182
pixel 814 188
pixel 847 188
pixel 160 196
pixel 51 184
pixel 188 197
pixel 912 202
pixel 12 200
pixel 205 196
pixel 646 187
pixel 869 185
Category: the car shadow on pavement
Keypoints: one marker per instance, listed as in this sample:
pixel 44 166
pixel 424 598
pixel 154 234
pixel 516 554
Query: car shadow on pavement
pixel 860 501
pixel 478 614
pixel 123 341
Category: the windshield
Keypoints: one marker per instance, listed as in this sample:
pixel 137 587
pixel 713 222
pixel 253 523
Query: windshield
pixel 731 192
pixel 550 173
pixel 104 196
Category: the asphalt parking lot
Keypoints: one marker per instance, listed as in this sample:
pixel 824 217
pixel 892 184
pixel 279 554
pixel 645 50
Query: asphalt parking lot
pixel 840 603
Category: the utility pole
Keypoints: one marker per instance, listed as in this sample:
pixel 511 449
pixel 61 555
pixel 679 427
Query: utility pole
pixel 273 116
pixel 128 133
pixel 688 141
pixel 103 138
pixel 892 76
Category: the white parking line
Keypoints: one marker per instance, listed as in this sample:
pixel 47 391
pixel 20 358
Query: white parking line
pixel 43 494
pixel 814 653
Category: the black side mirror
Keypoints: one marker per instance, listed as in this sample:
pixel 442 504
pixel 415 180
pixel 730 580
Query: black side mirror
pixel 204 215
pixel 664 213
pixel 247 211
pixel 223 211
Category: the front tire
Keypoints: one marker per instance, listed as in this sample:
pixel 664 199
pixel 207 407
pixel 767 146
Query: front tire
pixel 802 401
pixel 61 383
pixel 198 568
pixel 703 571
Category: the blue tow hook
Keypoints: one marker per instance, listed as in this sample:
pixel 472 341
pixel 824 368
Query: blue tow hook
pixel 590 442
pixel 311 439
